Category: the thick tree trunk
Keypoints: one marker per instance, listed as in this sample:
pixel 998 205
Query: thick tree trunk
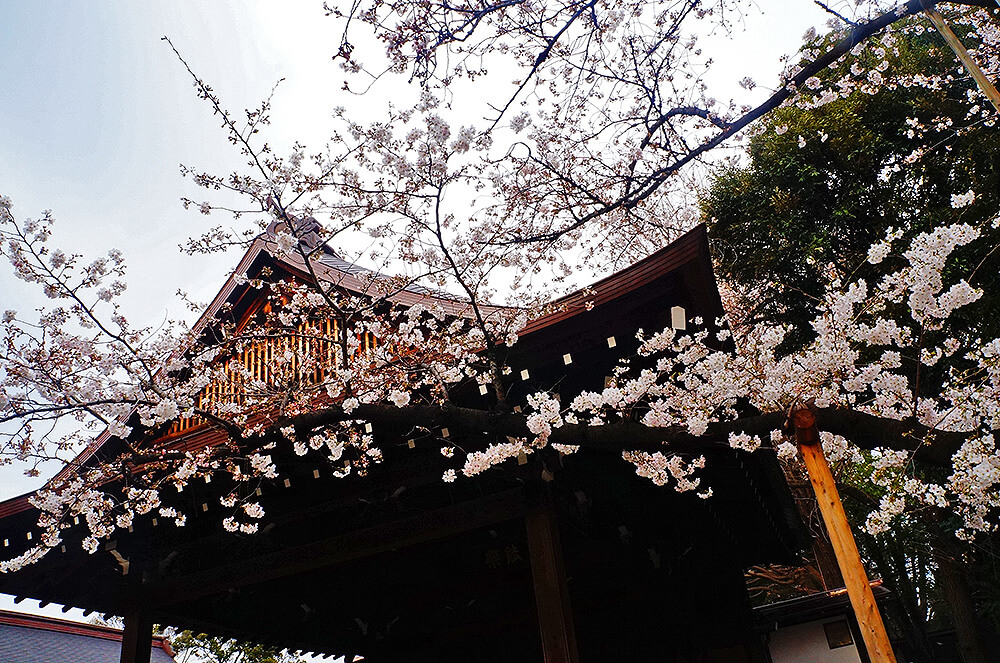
pixel 894 577
pixel 955 588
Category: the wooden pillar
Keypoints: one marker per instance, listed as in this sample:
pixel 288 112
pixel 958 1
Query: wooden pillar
pixel 856 580
pixel 984 83
pixel 555 616
pixel 137 638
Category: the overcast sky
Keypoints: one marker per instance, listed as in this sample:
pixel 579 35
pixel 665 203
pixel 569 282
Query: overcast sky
pixel 97 114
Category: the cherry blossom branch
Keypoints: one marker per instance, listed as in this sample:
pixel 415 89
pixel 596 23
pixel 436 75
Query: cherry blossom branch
pixel 637 192
pixel 866 430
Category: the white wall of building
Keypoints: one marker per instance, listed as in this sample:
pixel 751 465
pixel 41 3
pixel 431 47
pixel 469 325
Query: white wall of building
pixel 807 643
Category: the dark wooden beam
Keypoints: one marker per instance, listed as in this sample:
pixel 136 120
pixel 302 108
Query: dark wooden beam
pixel 555 616
pixel 77 579
pixel 406 472
pixel 137 638
pixel 437 524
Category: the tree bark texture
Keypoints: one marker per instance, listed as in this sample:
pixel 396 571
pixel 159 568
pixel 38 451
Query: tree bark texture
pixel 955 588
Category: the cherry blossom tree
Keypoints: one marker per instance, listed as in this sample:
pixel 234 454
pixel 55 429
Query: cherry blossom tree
pixel 828 176
pixel 580 162
pixel 826 180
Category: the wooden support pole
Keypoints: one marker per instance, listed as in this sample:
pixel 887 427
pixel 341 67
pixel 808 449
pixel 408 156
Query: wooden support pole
pixel 858 589
pixel 555 617
pixel 137 638
pixel 970 65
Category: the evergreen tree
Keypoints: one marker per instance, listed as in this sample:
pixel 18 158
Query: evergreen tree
pixel 891 138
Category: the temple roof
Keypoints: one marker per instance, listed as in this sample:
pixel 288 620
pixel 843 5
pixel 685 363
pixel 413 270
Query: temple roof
pixel 399 564
pixel 26 638
pixel 687 254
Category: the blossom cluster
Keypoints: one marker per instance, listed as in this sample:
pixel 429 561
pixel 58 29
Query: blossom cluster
pixel 668 469
pixel 563 170
pixel 865 357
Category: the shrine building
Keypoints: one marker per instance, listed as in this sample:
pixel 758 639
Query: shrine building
pixel 552 558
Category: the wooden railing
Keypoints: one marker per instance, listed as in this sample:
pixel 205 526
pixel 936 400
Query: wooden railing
pixel 265 362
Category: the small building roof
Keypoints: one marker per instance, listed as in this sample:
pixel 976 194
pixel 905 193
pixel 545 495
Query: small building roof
pixel 807 608
pixel 26 638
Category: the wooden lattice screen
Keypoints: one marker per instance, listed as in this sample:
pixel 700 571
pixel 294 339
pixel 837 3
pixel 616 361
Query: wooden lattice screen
pixel 313 347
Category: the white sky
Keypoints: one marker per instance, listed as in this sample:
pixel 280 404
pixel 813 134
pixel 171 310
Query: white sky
pixel 96 114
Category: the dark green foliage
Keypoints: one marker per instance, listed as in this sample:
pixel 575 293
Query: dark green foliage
pixel 191 647
pixel 779 223
pixel 202 648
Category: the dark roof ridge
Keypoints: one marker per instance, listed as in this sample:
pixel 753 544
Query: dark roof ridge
pixel 691 245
